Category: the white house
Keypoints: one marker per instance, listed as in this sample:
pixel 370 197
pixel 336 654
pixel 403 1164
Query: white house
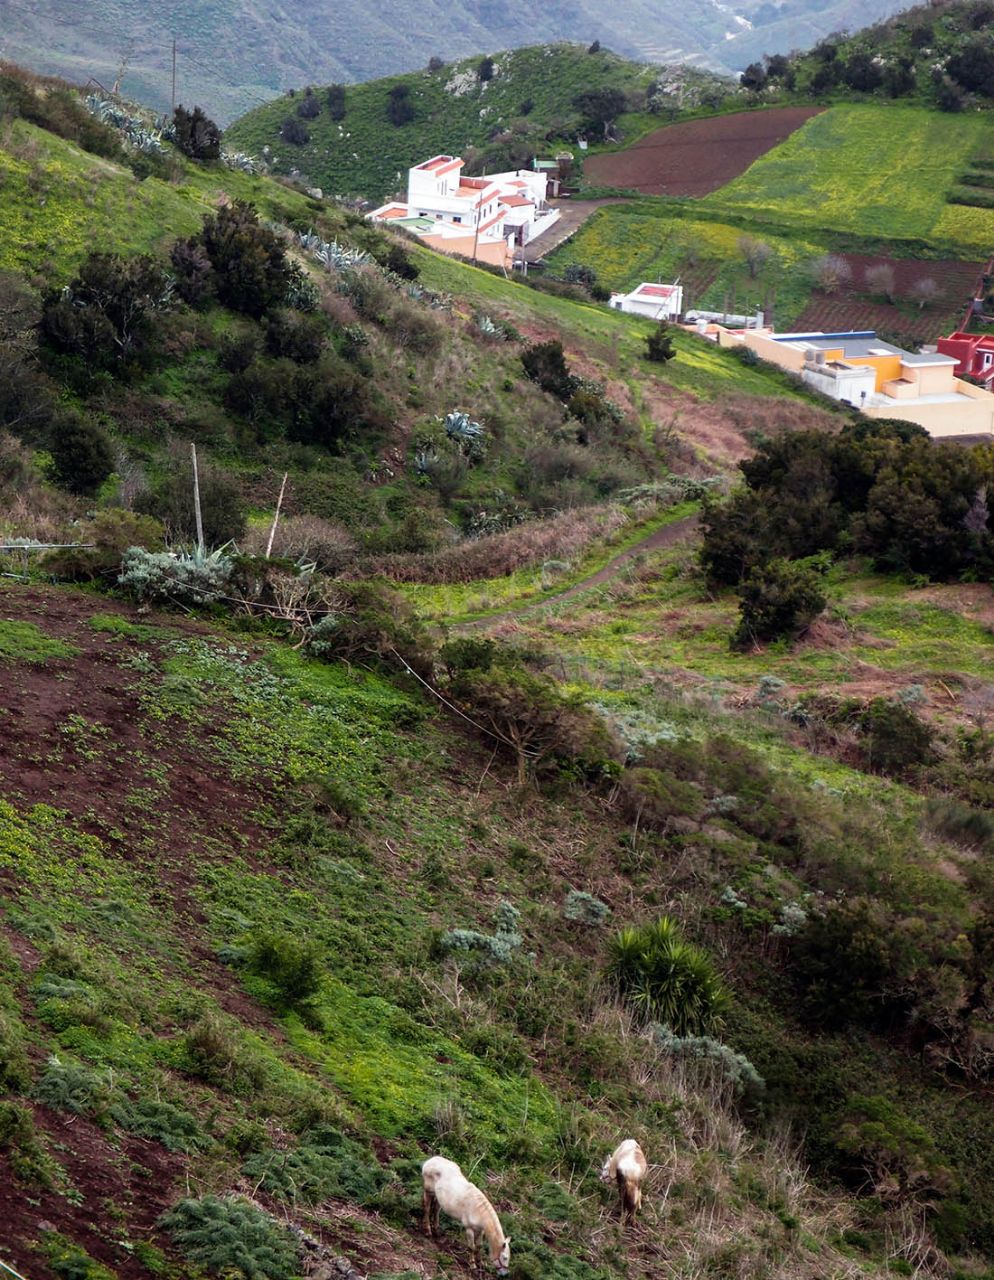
pixel 474 217
pixel 656 301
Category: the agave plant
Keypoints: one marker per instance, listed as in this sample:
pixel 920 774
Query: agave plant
pixel 487 327
pixel 664 979
pixel 241 161
pixel 460 426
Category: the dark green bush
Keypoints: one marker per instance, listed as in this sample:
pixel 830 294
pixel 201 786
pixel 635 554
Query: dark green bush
pixel 292 967
pixel 196 134
pixel 895 738
pixel 163 1122
pixel 82 457
pixel 659 344
pixel 216 1054
pixel 251 271
pixel 776 601
pixel 19 1143
pixel 665 979
pixel 545 364
pixel 325 1165
pixel 106 315
pixel 171 502
pixel 232 1237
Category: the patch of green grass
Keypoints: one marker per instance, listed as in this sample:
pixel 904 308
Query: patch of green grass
pixel 840 172
pixel 462 601
pixel 26 642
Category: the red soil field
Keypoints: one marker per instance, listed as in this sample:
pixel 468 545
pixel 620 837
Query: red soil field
pixel 698 156
pixel 857 305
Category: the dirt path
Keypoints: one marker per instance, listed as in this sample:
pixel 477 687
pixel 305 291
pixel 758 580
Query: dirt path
pixel 574 213
pixel 667 536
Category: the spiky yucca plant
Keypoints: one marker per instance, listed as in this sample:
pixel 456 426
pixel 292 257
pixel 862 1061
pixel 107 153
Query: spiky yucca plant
pixel 665 979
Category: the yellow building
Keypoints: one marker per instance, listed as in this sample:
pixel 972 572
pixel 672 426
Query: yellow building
pixel 881 380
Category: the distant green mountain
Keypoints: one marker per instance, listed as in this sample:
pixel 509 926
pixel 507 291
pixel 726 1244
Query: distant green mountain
pixel 233 54
pixel 941 55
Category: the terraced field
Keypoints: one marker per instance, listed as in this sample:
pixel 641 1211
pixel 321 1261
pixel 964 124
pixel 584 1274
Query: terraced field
pixel 697 156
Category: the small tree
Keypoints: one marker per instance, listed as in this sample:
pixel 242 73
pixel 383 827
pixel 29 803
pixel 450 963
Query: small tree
pixel 400 109
pixel 880 280
pixel 435 63
pixel 336 101
pixel 196 134
pixel 754 77
pixel 249 262
pixel 776 600
pixel 294 131
pixel 485 70
pixel 924 292
pixel 595 47
pixel 599 108
pixel 831 272
pixel 308 108
pixel 545 363
pixel 659 344
pixel 756 253
pixel 106 315
pixel 81 453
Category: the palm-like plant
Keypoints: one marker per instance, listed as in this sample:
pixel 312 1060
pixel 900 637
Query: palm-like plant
pixel 665 979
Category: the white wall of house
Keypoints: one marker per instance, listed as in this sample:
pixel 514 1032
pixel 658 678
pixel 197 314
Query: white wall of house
pixel 854 384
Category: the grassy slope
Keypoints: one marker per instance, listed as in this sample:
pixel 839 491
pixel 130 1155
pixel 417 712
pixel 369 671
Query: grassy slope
pixel 135 897
pixel 60 201
pixel 366 155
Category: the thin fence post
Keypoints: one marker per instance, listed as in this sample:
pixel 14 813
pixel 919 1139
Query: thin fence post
pixel 196 500
pixel 276 516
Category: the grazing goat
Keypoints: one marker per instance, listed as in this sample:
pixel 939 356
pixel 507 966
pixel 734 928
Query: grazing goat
pixel 446 1188
pixel 627 1166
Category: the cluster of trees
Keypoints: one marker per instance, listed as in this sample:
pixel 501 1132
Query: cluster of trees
pixel 196 134
pixel 880 489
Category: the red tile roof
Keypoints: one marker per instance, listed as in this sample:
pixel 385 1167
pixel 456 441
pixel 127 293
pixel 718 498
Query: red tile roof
pixel 654 290
pixel 442 164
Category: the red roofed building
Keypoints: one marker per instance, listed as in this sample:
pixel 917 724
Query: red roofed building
pixel 974 355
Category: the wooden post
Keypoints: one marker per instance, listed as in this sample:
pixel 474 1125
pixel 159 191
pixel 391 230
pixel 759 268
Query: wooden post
pixel 174 75
pixel 196 500
pixel 276 516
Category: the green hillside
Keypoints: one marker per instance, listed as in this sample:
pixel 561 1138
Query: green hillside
pixel 530 98
pixel 550 779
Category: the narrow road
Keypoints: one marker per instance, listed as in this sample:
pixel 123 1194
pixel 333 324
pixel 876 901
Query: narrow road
pixel 573 214
pixel 669 535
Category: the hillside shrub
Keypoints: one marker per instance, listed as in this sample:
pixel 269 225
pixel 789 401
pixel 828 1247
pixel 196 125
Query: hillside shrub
pixel 664 979
pixel 196 134
pixel 15 1074
pixel 497 948
pixel 171 502
pixel 336 101
pixel 719 1060
pixel 193 272
pixel 82 457
pixel 232 1237
pixel 251 270
pixel 659 346
pixel 545 363
pixel 372 626
pixel 106 315
pixel 21 1147
pixel 776 601
pixel 325 1165
pixel 292 967
pixel 153 577
pixel 585 908
pixel 550 731
pixel 160 1121
pixel 308 108
pixel 215 1053
pixel 896 1152
pixel 292 336
pixel 295 132
pixel 72 1087
pixel 854 965
pixel 58 108
pixel 400 108
pixel 894 737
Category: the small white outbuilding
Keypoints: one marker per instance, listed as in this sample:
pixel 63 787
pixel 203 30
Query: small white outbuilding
pixel 656 301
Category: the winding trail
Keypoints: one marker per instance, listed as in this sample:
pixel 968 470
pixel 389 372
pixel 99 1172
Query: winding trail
pixel 667 536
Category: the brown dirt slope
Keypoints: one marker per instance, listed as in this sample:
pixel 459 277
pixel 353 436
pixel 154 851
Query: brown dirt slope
pixel 698 156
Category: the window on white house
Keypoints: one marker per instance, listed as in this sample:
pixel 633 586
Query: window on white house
pixel 456 218
pixel 988 357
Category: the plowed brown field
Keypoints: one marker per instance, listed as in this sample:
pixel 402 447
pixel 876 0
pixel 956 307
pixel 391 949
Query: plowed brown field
pixel 698 156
